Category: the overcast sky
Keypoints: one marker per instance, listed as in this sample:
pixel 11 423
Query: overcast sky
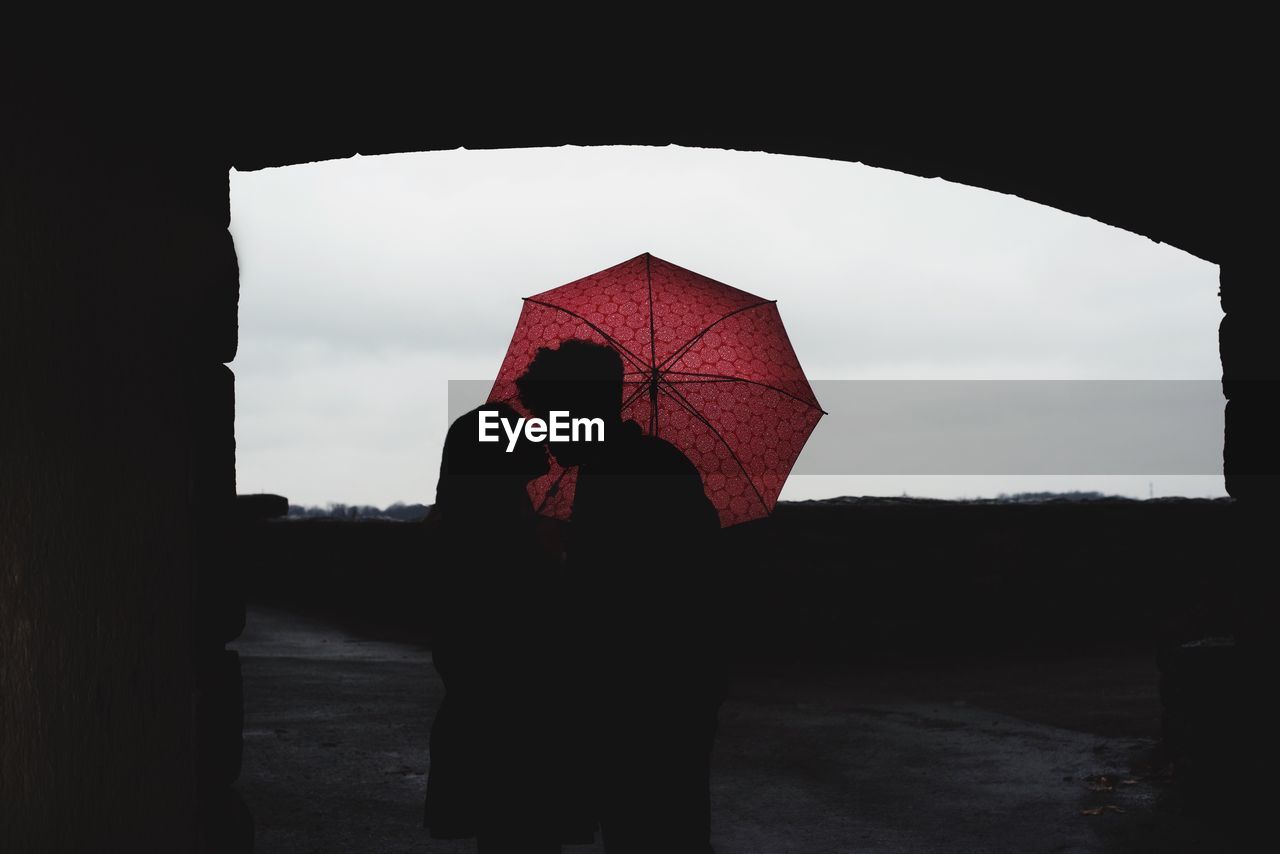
pixel 367 284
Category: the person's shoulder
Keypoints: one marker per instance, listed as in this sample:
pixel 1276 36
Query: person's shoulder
pixel 686 491
pixel 669 482
pixel 659 456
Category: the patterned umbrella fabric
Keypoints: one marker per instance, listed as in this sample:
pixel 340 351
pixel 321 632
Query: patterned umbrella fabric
pixel 708 367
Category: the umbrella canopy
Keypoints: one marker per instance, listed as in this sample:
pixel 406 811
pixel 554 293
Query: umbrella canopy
pixel 708 367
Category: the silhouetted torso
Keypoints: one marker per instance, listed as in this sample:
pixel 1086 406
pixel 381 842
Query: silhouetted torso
pixel 491 599
pixel 495 610
pixel 640 558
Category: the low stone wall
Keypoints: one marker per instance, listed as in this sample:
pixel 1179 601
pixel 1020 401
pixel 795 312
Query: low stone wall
pixel 827 581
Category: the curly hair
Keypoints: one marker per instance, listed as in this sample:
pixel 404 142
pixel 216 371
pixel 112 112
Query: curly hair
pixel 579 376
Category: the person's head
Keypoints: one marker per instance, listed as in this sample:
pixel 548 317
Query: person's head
pixel 483 477
pixel 579 377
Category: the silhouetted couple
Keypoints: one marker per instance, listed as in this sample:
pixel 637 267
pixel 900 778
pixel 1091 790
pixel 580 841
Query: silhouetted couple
pixel 583 691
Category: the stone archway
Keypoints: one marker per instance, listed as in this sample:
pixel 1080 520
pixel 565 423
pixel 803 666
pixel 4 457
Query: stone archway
pixel 120 319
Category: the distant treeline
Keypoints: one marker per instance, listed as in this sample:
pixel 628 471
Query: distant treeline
pixel 401 512
pixel 1075 495
pixel 398 512
pixel 1001 498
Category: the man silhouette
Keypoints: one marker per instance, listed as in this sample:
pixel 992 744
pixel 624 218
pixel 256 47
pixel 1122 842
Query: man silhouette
pixel 639 565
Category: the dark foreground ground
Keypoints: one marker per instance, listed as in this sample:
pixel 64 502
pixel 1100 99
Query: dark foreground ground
pixel 1025 752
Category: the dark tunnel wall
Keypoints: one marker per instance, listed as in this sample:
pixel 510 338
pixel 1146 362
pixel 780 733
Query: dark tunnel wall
pixel 117 315
pixel 117 310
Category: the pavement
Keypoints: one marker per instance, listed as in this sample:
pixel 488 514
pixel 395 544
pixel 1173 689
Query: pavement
pixel 1021 752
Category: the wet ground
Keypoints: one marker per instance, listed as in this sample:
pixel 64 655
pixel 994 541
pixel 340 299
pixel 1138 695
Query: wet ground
pixel 1027 752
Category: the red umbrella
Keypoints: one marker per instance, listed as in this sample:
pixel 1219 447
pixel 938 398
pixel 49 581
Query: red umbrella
pixel 708 367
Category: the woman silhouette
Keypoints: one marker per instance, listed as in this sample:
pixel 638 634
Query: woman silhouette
pixel 500 768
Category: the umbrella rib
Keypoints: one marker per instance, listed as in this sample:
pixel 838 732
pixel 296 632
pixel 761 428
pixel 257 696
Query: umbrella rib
pixel 685 347
pixel 640 387
pixel 680 399
pixel 639 363
pixel 724 378
pixel 653 346
pixel 653 355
